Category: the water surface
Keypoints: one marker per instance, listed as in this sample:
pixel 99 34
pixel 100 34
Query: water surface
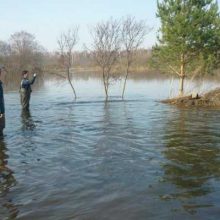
pixel 123 159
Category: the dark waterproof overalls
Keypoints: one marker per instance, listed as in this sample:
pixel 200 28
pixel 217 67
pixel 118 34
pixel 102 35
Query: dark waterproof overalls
pixel 2 109
pixel 25 93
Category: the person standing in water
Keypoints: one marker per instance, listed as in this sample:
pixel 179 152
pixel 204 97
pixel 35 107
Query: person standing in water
pixel 25 90
pixel 2 107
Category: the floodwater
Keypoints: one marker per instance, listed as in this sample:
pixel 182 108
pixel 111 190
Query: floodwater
pixel 120 160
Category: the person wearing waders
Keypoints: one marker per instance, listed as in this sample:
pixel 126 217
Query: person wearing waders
pixel 25 90
pixel 2 107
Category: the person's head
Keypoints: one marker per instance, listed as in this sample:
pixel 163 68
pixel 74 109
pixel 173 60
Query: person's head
pixel 25 74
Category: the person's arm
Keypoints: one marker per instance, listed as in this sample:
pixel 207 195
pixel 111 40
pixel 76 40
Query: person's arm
pixel 33 79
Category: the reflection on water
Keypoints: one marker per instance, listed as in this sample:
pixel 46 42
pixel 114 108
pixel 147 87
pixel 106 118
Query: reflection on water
pixel 122 159
pixel 7 180
pixel 192 152
pixel 27 121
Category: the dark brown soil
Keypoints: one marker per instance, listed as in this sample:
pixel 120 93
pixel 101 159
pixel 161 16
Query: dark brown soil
pixel 210 99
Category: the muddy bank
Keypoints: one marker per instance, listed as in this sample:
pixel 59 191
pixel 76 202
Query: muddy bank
pixel 210 99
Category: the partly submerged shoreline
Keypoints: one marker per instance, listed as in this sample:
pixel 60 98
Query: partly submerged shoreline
pixel 209 99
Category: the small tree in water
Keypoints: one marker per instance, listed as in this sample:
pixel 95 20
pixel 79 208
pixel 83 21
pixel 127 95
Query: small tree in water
pixel 66 43
pixel 105 48
pixel 189 39
pixel 133 34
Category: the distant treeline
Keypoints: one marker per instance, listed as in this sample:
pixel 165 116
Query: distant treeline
pixel 84 62
pixel 22 51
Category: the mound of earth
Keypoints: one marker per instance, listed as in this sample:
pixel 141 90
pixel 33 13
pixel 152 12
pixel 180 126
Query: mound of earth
pixel 210 99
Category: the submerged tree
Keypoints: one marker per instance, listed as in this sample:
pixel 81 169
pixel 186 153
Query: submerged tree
pixel 66 42
pixel 133 33
pixel 189 39
pixel 105 48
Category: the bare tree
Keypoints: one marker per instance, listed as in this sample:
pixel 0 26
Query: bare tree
pixel 5 52
pixel 23 41
pixel 133 33
pixel 25 50
pixel 66 43
pixel 105 48
pixel 22 51
pixel 5 49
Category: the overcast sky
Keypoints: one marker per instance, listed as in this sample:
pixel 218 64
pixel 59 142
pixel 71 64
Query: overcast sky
pixel 45 19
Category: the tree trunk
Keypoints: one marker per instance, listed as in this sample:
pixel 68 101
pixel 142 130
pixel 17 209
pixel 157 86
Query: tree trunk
pixel 104 82
pixel 69 79
pixel 182 76
pixel 129 61
pixel 125 82
pixel 181 90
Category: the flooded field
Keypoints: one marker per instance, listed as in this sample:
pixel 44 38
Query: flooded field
pixel 122 159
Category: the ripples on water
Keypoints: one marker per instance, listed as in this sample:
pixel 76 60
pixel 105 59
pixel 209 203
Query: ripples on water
pixel 91 159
